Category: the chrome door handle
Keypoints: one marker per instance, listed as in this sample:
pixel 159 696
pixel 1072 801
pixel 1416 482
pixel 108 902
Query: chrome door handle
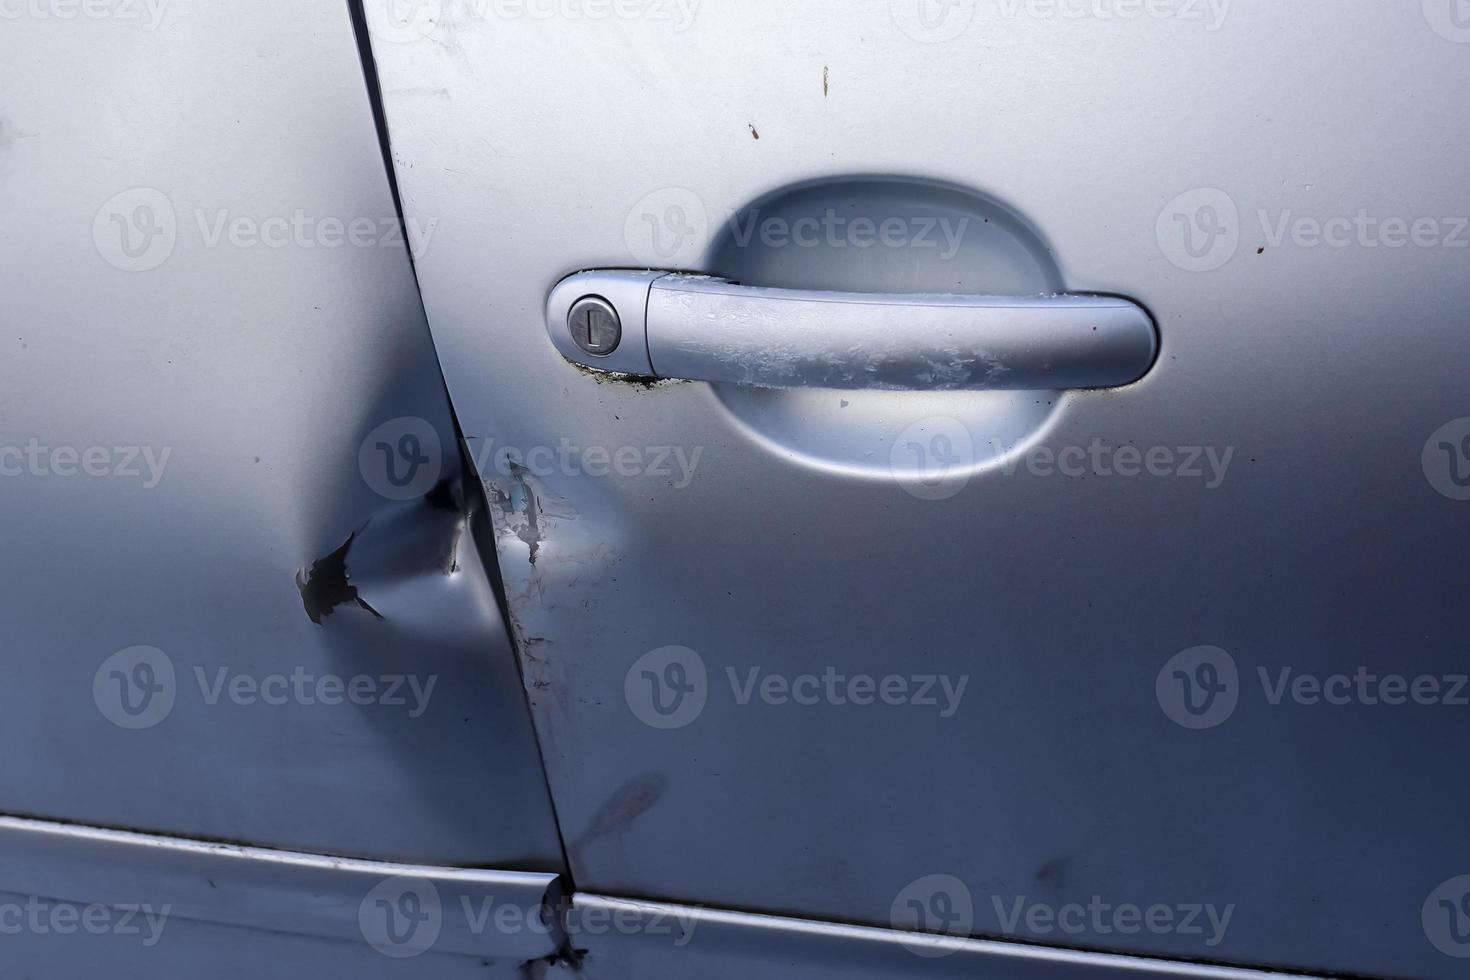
pixel 706 329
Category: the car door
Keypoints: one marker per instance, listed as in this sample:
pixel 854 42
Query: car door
pixel 258 692
pixel 1167 666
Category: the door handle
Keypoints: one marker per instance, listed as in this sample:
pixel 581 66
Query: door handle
pixel 701 328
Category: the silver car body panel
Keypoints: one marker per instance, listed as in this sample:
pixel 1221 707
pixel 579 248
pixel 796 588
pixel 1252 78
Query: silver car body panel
pixel 267 675
pixel 1298 384
pixel 477 914
pixel 659 940
pixel 185 303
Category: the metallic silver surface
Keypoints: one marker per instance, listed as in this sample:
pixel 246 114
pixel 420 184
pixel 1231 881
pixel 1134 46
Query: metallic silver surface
pixel 189 950
pixel 704 329
pixel 659 940
pixel 627 292
pixel 266 891
pixel 229 614
pixel 595 326
pixel 802 542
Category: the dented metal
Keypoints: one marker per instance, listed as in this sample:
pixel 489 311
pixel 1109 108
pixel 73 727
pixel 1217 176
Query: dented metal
pixel 282 634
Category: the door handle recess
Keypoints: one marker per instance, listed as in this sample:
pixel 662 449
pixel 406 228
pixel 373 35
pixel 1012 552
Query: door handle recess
pixel 700 328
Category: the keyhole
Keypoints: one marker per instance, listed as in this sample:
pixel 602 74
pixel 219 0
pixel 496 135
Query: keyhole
pixel 594 325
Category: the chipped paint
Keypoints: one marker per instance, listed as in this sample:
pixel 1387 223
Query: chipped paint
pixel 634 381
pixel 525 506
pixel 326 586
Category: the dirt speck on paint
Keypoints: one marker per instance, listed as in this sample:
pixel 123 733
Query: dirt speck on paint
pixel 628 802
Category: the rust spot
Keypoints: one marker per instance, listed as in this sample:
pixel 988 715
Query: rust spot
pixel 631 380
